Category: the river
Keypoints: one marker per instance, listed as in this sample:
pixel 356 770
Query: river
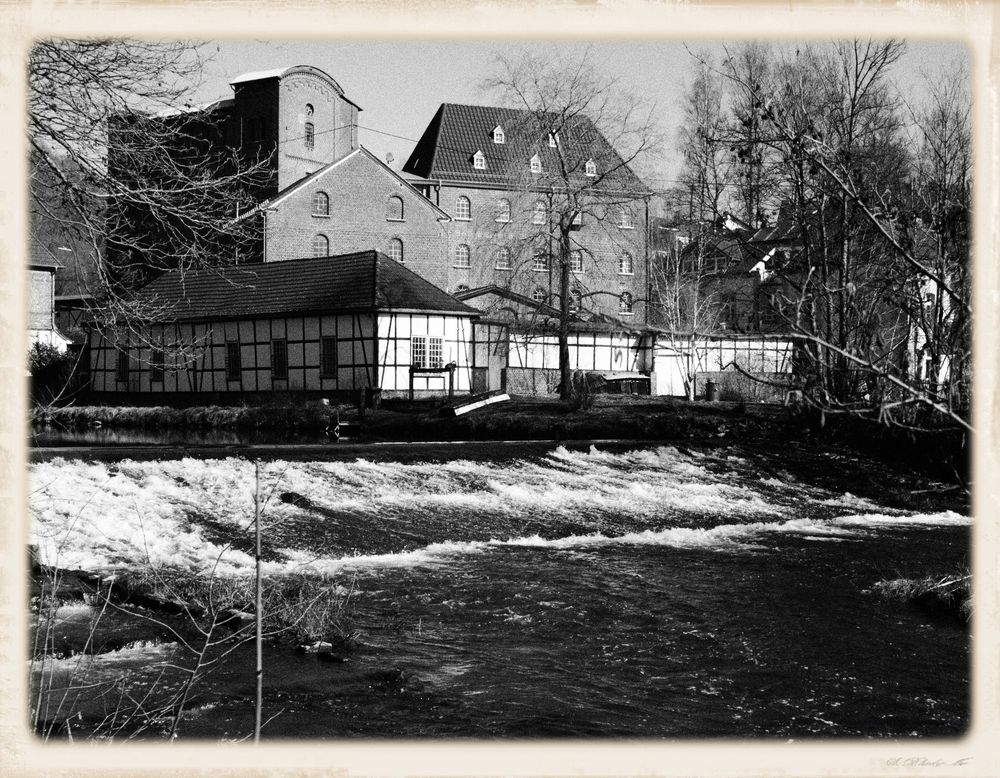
pixel 653 591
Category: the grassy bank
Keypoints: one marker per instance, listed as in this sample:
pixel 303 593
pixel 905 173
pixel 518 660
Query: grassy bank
pixel 947 596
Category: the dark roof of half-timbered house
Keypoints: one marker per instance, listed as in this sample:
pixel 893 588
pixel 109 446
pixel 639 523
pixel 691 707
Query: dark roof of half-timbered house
pixel 363 281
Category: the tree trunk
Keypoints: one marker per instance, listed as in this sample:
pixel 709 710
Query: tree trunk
pixel 565 375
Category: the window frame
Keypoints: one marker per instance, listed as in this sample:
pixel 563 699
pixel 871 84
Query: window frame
pixel 622 264
pixel 576 261
pixel 540 296
pixel 540 261
pixel 234 361
pixel 328 357
pixel 309 136
pixel 390 209
pixel 435 352
pixel 463 259
pixel 463 203
pixel 418 351
pixel 540 216
pixel 393 243
pixel 503 260
pixel 279 359
pixel 157 364
pixel 315 242
pixel 321 211
pixel 503 211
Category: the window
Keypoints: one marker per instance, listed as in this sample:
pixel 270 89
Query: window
pixel 396 249
pixel 463 208
pixel 578 218
pixel 321 204
pixel 328 358
pixel 418 351
pixel 310 135
pixel 591 168
pixel 553 140
pixel 233 367
pixel 575 300
pixel 309 109
pixel 479 161
pixel 463 257
pixel 435 352
pixel 498 135
pixel 394 209
pixel 625 303
pixel 536 164
pixel 625 219
pixel 541 213
pixel 503 259
pixel 540 261
pixel 121 368
pixel 279 359
pixel 625 266
pixel 321 246
pixel 540 296
pixel 576 261
pixel 156 365
pixel 503 210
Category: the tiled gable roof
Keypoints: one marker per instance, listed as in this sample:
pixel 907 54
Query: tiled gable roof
pixel 363 281
pixel 446 148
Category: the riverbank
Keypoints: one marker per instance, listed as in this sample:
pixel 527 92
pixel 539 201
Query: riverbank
pixel 942 454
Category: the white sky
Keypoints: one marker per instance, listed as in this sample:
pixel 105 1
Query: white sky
pixel 400 85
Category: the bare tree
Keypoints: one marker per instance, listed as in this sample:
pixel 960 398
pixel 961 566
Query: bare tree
pixel 580 133
pixel 126 172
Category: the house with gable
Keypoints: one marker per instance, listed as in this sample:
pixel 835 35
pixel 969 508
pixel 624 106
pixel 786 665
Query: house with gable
pixel 349 205
pixel 488 168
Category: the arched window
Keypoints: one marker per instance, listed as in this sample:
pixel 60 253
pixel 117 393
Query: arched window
pixel 503 259
pixel 540 213
pixel 463 208
pixel 310 135
pixel 321 204
pixel 321 246
pixel 575 300
pixel 503 210
pixel 625 303
pixel 591 169
pixel 463 257
pixel 540 296
pixel 394 209
pixel 540 260
pixel 576 261
pixel 625 266
pixel 396 249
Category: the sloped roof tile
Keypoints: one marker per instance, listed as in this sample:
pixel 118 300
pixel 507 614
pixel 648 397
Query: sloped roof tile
pixel 363 281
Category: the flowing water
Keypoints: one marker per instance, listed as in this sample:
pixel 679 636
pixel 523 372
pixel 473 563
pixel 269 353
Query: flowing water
pixel 652 592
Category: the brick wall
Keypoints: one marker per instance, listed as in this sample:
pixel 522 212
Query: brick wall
pixel 601 240
pixel 359 190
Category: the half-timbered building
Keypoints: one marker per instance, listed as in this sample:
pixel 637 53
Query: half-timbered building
pixel 329 326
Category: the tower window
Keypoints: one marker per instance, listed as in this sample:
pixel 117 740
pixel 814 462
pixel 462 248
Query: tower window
pixel 310 135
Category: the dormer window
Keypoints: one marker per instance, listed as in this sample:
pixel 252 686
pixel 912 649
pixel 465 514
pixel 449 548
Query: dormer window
pixel 553 140
pixel 498 135
pixel 479 161
pixel 591 168
pixel 536 164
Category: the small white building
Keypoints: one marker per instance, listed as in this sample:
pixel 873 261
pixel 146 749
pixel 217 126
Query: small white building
pixel 330 325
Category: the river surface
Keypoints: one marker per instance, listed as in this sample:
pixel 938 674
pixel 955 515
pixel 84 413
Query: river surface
pixel 600 593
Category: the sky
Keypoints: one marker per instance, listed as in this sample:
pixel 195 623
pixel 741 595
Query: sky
pixel 399 85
